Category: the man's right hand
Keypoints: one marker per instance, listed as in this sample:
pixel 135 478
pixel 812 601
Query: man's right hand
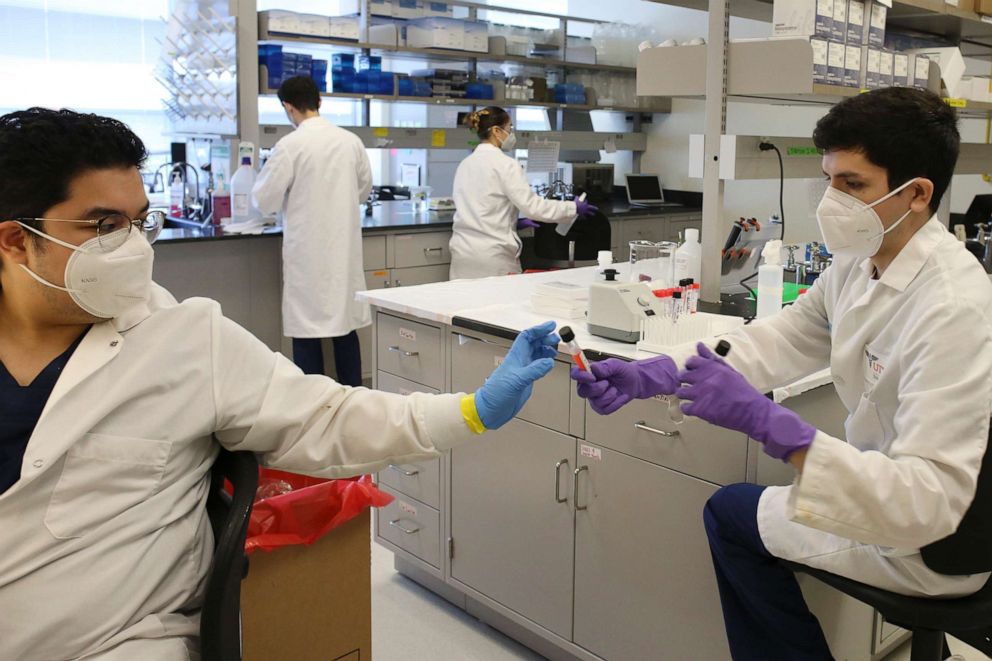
pixel 614 382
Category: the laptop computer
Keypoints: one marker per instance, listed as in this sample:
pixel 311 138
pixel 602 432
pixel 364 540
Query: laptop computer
pixel 645 190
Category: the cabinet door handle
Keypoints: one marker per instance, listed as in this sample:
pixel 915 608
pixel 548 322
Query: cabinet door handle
pixel 575 488
pixel 427 251
pixel 404 530
pixel 402 471
pixel 558 498
pixel 408 354
pixel 397 283
pixel 667 434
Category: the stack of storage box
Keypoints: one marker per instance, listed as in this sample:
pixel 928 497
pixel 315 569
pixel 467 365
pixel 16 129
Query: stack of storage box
pixel 275 66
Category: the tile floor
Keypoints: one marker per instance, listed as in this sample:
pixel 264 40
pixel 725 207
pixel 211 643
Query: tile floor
pixel 410 623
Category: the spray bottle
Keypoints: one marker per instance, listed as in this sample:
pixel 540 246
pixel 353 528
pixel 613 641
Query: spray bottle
pixel 770 280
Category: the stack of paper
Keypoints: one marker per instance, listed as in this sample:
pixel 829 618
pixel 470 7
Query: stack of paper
pixel 563 300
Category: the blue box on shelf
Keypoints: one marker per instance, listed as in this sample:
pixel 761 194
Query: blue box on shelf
pixel 479 91
pixel 343 60
pixel 371 62
pixel 343 80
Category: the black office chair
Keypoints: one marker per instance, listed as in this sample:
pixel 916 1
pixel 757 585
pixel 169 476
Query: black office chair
pixel 590 235
pixel 220 617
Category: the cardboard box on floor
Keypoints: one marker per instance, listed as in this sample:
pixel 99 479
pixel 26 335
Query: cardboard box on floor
pixel 311 603
pixel 983 7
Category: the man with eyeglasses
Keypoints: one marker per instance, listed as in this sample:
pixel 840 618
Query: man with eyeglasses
pixel 114 397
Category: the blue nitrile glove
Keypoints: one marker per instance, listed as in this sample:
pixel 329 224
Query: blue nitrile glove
pixel 509 386
pixel 615 382
pixel 583 208
pixel 719 394
pixel 526 224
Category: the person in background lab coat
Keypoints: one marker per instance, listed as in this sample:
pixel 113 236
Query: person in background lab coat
pixel 318 176
pixel 115 400
pixel 489 190
pixel 903 320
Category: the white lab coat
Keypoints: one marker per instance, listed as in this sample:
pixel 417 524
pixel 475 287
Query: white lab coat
pixel 911 359
pixel 106 542
pixel 489 190
pixel 318 176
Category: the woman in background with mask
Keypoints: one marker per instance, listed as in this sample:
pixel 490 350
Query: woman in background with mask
pixel 903 321
pixel 490 189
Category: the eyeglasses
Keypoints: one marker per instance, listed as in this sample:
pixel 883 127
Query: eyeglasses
pixel 114 230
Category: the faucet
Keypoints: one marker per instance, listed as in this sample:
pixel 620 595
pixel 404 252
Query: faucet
pixel 985 239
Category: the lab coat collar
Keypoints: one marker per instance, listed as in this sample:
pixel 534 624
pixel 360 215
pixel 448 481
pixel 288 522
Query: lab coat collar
pixel 910 260
pixel 311 122
pixel 131 318
pixel 484 146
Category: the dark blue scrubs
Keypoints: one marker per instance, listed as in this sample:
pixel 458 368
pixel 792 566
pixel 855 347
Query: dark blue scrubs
pixel 20 410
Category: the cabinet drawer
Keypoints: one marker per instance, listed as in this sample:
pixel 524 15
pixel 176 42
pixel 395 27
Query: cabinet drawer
pixel 472 360
pixel 645 229
pixel 420 275
pixel 423 479
pixel 412 526
pixel 423 249
pixel 377 279
pixel 410 350
pixel 699 449
pixel 373 252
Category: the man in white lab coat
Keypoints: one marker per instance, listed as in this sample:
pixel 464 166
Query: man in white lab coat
pixel 318 176
pixel 903 320
pixel 113 399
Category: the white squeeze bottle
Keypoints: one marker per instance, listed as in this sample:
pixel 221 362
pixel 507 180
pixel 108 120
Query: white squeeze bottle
pixel 689 256
pixel 241 184
pixel 770 280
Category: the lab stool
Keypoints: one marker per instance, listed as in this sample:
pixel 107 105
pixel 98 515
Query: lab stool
pixel 968 618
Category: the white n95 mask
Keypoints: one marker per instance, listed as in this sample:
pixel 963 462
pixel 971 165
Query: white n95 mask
pixel 851 228
pixel 105 284
pixel 510 142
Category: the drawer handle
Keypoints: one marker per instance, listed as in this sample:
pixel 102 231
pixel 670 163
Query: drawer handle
pixel 558 498
pixel 575 488
pixel 405 531
pixel 667 434
pixel 402 471
pixel 427 251
pixel 408 354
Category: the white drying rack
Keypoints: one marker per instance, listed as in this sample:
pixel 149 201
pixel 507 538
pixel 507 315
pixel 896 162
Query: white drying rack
pixel 661 335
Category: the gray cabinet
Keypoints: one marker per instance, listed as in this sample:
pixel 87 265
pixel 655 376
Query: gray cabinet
pixel 512 533
pixel 667 227
pixel 644 582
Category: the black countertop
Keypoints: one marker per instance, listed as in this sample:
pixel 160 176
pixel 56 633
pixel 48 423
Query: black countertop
pixel 395 215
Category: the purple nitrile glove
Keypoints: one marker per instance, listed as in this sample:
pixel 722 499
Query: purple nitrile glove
pixel 583 208
pixel 615 382
pixel 526 224
pixel 719 394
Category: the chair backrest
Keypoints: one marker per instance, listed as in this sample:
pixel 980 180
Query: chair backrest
pixel 220 617
pixel 591 234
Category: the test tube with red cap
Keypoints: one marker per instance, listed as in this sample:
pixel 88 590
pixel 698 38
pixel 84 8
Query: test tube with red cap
pixel 568 337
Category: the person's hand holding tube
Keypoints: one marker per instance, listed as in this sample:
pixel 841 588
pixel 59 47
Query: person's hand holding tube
pixel 509 386
pixel 527 224
pixel 614 382
pixel 717 393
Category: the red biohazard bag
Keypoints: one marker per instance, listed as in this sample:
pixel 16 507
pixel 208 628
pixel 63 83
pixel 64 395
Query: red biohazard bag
pixel 295 509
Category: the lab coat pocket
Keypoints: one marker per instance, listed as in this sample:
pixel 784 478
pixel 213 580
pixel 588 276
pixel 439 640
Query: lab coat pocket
pixel 104 476
pixel 863 427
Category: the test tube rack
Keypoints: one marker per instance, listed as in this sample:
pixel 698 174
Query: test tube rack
pixel 661 335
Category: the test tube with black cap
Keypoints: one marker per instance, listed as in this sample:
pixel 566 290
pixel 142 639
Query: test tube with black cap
pixel 722 348
pixel 568 337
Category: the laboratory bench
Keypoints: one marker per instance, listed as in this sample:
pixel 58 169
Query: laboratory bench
pixel 579 535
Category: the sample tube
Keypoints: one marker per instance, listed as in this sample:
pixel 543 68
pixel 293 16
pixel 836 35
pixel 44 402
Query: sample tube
pixel 676 305
pixel 568 337
pixel 722 348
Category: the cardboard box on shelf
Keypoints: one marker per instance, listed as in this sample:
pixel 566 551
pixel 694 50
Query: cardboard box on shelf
pixel 951 66
pixel 856 22
pixel 581 54
pixel 438 9
pixel 983 7
pixel 436 33
pixel 963 5
pixel 876 24
pixel 386 34
pixel 476 36
pixel 277 20
pixel 311 603
pixel 803 18
pixel 344 27
pixel 838 29
pixel 314 25
pixel 409 9
pixel 920 68
pixel 836 54
pixel 349 7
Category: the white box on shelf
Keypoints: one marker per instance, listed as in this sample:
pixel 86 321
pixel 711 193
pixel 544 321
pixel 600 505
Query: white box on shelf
pixel 838 29
pixel 873 68
pixel 856 22
pixel 436 33
pixel 438 9
pixel 852 66
pixel 314 25
pixel 978 89
pixel 476 37
pixel 343 27
pixel 876 24
pixel 408 9
pixel 900 70
pixel 581 54
pixel 277 20
pixel 920 68
pixel 386 34
pixel 349 7
pixel 886 69
pixel 803 18
pixel 836 54
pixel 951 65
pixel 819 60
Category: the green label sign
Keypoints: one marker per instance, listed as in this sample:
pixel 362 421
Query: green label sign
pixel 802 151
